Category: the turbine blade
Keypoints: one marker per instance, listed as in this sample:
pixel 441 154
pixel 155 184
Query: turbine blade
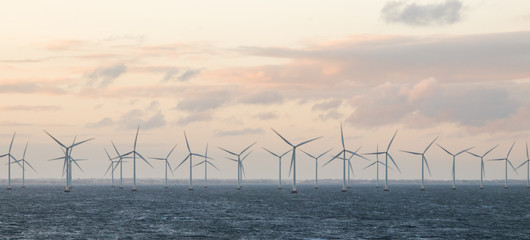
pixel 308 141
pixel 198 155
pixel 187 143
pixel 73 145
pixel 246 155
pixel 142 157
pixel 136 138
pixel 527 157
pixel 350 167
pixel 285 153
pixel 227 151
pixel 494 148
pixel 415 153
pixel 515 170
pixel 427 164
pixel 55 139
pixel 510 150
pixel 182 162
pixel 283 138
pixel 463 151
pixel 12 139
pixel 271 152
pixel 391 158
pixel 30 166
pixel 444 149
pixel 522 164
pixel 291 166
pixel 324 153
pixel 392 140
pixel 475 154
pixel 115 149
pixel 158 158
pixel 170 169
pixel 336 156
pixel 311 156
pixel 214 166
pixel 107 154
pixel 342 136
pixel 247 148
pixel 110 166
pixel 171 151
pixel 25 148
pixel 369 165
pixel 427 148
pixel 198 164
pixel 75 162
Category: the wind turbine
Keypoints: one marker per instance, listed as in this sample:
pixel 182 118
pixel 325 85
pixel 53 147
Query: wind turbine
pixel 239 164
pixel 279 165
pixel 166 163
pixel 113 165
pixel 527 162
pixel 134 153
pixel 482 170
pixel 506 161
pixel 387 156
pixel 120 162
pixel 24 162
pixel 68 159
pixel 350 167
pixel 454 156
pixel 423 162
pixel 206 162
pixel 293 158
pixel 190 155
pixel 9 156
pixel 376 162
pixel 316 163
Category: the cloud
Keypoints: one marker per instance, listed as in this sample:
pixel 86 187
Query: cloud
pixel 30 108
pixel 106 75
pixel 150 117
pixel 266 116
pixel 170 74
pixel 173 74
pixel 246 131
pixel 195 117
pixel 444 13
pixel 31 87
pixel 330 104
pixel 333 114
pixel 189 74
pixel 262 97
pixel 203 100
pixel 105 122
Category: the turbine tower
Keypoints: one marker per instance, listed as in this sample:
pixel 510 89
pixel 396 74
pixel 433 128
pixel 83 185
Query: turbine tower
pixel 376 163
pixel 24 162
pixel 387 156
pixel 166 164
pixel 506 161
pixel 206 162
pixel 190 156
pixel 68 159
pixel 120 162
pixel 239 164
pixel 293 158
pixel 316 163
pixel 527 162
pixel 9 157
pixel 241 169
pixel 454 157
pixel 423 162
pixel 279 165
pixel 113 165
pixel 482 170
pixel 134 153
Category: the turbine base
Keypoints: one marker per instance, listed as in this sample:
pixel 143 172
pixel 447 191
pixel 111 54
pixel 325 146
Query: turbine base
pixel 121 187
pixel 481 187
pixel 66 189
pixel 386 189
pixel 22 186
pixel 8 188
pixel 134 189
pixel 166 186
pixel 505 187
pixel 111 186
pixel 376 186
pixel 280 188
pixel 453 188
pixel 190 188
pixel 293 190
pixel 316 187
pixel 422 188
pixel 238 188
pixel 527 186
pixel 205 186
pixel 348 187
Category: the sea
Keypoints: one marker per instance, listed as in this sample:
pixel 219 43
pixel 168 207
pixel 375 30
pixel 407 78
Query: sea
pixel 265 212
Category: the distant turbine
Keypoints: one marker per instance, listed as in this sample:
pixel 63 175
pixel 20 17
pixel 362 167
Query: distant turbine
pixel 376 162
pixel 24 162
pixel 239 163
pixel 113 165
pixel 134 153
pixel 166 164
pixel 482 170
pixel 206 162
pixel 387 155
pixel 350 167
pixel 316 164
pixel 241 169
pixel 527 162
pixel 120 162
pixel 190 155
pixel 506 161
pixel 423 161
pixel 293 159
pixel 9 156
pixel 68 160
pixel 453 173
pixel 279 165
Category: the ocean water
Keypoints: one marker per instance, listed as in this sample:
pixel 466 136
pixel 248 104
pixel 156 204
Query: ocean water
pixel 264 212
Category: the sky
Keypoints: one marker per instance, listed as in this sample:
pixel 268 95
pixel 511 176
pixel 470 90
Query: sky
pixel 226 72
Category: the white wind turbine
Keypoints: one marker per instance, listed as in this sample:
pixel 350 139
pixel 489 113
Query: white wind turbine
pixel 506 161
pixel 527 162
pixel 9 157
pixel 279 165
pixel 113 164
pixel 350 166
pixel 387 156
pixel 120 162
pixel 293 158
pixel 316 163
pixel 423 162
pixel 239 163
pixel 190 157
pixel 24 162
pixel 68 159
pixel 241 169
pixel 166 164
pixel 482 170
pixel 134 153
pixel 376 163
pixel 453 173
pixel 206 162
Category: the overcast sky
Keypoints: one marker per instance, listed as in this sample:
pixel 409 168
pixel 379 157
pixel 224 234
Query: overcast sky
pixel 228 71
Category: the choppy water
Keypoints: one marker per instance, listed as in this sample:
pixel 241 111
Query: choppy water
pixel 264 212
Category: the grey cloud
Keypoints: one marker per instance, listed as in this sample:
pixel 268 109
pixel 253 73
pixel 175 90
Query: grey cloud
pixel 195 117
pixel 266 116
pixel 246 131
pixel 105 76
pixel 30 108
pixel 204 100
pixel 333 114
pixel 135 117
pixel 105 122
pixel 334 103
pixel 447 12
pixel 189 74
pixel 170 74
pixel 262 97
pixel 31 87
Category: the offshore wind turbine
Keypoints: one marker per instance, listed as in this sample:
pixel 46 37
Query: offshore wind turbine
pixel 166 163
pixel 387 156
pixel 206 162
pixel 423 162
pixel 506 161
pixel 24 162
pixel 293 158
pixel 68 159
pixel 453 173
pixel 134 153
pixel 190 157
pixel 482 170
pixel 316 163
pixel 350 166
pixel 527 162
pixel 113 165
pixel 279 165
pixel 376 163
pixel 120 162
pixel 9 157
pixel 239 164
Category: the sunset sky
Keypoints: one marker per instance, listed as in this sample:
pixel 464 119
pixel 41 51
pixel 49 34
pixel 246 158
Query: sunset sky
pixel 227 72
